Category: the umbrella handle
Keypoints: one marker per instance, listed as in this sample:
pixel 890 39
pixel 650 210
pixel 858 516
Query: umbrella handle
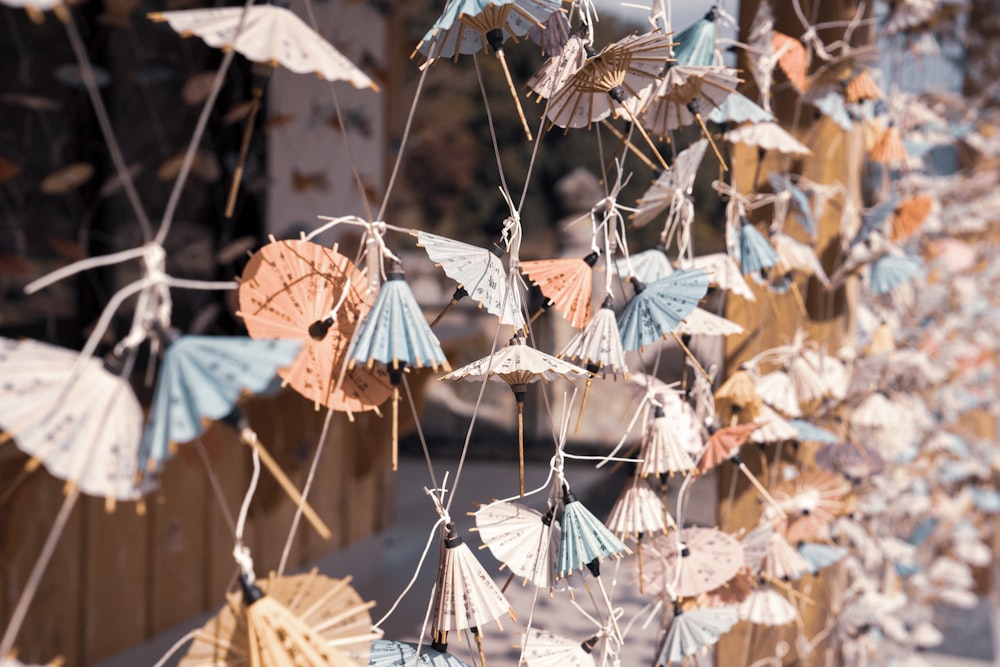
pixel 628 144
pixel 649 141
pixel 513 93
pixel 258 91
pixel 711 142
pixel 694 360
pixel 583 404
pixel 249 438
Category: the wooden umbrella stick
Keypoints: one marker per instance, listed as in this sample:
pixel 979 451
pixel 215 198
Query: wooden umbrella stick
pixel 761 490
pixel 628 144
pixel 520 445
pixel 798 299
pixel 583 404
pixel 475 631
pixel 395 428
pixel 258 91
pixel 513 93
pixel 249 438
pixel 690 356
pixel 455 298
pixel 611 609
pixel 638 551
pixel 711 141
pixel 649 141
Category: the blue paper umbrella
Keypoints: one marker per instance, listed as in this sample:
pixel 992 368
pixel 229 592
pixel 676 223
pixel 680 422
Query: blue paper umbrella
pixel 819 555
pixel 801 207
pixel 738 108
pixel 585 540
pixel 830 102
pixel 756 253
pixel 659 307
pixel 396 334
pixel 201 378
pixel 691 631
pixel 809 432
pixel 696 44
pixel 468 26
pixel 647 266
pixel 890 271
pixel 390 653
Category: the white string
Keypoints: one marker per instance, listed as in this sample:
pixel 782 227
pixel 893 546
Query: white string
pixel 300 507
pixel 434 533
pixel 176 647
pixel 241 553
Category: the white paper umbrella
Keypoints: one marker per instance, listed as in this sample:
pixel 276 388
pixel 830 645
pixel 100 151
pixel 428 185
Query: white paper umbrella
pixel 777 390
pixel 766 606
pixel 524 540
pixel 268 34
pixel 700 322
pixel 775 429
pixel 671 189
pixel 782 561
pixel 598 348
pixel 637 511
pixel 390 653
pixel 724 273
pixel 706 558
pixel 466 596
pixel 798 256
pixel 755 544
pixel 693 630
pixel 768 136
pixel 479 272
pixel 545 649
pixel 82 422
pixel 559 69
pixel 661 451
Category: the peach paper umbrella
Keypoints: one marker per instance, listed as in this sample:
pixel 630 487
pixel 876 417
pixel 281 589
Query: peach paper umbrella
pixel 811 501
pixel 703 560
pixel 567 284
pixel 302 290
pixel 724 443
pixel 792 59
pixel 303 620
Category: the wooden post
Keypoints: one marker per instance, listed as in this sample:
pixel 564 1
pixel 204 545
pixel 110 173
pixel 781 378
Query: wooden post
pixel 838 156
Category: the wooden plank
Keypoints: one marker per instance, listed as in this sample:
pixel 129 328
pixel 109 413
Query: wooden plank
pixel 114 579
pixel 177 543
pixel 52 625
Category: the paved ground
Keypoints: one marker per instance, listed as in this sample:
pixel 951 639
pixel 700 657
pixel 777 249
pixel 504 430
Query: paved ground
pixel 383 565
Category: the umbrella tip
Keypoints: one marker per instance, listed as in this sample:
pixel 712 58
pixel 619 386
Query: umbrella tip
pixel 609 302
pixel 588 645
pixel 319 328
pixel 591 259
pixel 251 592
pixel 452 538
pixel 568 496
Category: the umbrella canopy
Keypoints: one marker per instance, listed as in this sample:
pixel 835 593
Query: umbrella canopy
pixel 479 272
pixel 585 540
pixel 545 649
pixel 702 560
pixel 683 95
pixel 724 443
pixel 724 273
pixel 305 619
pixel 783 561
pixel 738 108
pixel 524 540
pixel 820 556
pixel 517 364
pixel 792 59
pixel 598 348
pixel 671 192
pixel 769 136
pixel 391 653
pixel 82 422
pixel 811 501
pixel 465 596
pixel 202 378
pixel 300 290
pixel 756 253
pixel 766 606
pixel 700 322
pixel 696 43
pixel 268 34
pixel 650 265
pixel 559 69
pixel 657 308
pixel 568 284
pixel 637 511
pixel 662 451
pixel 693 630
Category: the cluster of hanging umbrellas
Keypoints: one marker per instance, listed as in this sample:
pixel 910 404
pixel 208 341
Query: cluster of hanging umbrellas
pixel 888 485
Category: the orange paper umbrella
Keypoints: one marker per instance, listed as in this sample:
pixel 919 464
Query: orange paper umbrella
pixel 862 87
pixel 889 149
pixel 792 59
pixel 724 443
pixel 304 291
pixel 909 215
pixel 810 501
pixel 66 179
pixel 567 284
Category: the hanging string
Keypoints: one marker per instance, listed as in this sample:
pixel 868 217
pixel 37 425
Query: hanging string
pixel 300 506
pixel 176 647
pixel 493 132
pixel 213 479
pixel 241 553
pixel 420 431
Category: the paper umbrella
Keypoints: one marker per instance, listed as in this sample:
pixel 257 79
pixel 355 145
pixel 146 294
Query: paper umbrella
pixel 79 420
pixel 657 308
pixel 606 80
pixel 395 335
pixel 690 632
pixel 465 596
pixel 524 540
pixel 468 26
pixel 567 284
pixel 692 561
pixel 480 275
pixel 268 34
pixel 766 606
pixel 303 291
pixel 638 512
pixel 304 620
pixel 518 364
pixel 390 653
pixel 671 192
pixel 546 649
